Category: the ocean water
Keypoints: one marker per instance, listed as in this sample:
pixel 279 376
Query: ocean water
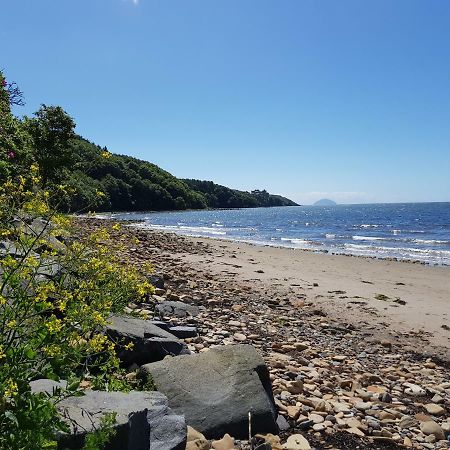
pixel 411 231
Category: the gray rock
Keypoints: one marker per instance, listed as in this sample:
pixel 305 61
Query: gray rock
pixel 183 332
pixel 216 390
pixel 9 248
pixel 282 423
pixel 143 420
pixel 177 309
pixel 47 386
pixel 161 324
pixel 157 280
pixel 49 268
pixel 150 343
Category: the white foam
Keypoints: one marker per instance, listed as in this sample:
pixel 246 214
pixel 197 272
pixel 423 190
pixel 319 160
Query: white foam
pixel 368 238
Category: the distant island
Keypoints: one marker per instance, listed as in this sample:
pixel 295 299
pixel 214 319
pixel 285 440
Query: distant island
pixel 325 202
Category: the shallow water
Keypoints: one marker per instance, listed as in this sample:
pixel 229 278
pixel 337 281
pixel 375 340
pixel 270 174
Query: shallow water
pixel 410 231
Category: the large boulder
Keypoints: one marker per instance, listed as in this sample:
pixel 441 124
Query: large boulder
pixel 217 389
pixel 177 309
pixel 143 420
pixel 150 342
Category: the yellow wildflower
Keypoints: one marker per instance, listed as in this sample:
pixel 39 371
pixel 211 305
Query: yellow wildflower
pixel 11 388
pixel 53 324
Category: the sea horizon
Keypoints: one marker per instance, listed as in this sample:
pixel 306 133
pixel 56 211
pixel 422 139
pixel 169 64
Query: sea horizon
pixel 403 231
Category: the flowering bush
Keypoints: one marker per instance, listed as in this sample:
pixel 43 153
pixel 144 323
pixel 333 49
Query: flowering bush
pixel 56 294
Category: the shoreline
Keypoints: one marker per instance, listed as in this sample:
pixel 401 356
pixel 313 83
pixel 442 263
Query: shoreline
pixel 303 313
pixel 135 224
pixel 394 300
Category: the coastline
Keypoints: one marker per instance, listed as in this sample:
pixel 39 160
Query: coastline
pixel 417 307
pixel 404 302
pixel 138 223
pixel 305 318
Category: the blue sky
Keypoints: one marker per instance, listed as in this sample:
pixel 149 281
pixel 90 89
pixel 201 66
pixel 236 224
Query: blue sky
pixel 344 99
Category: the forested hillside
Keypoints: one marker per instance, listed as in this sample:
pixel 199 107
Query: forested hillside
pixel 95 179
pixel 130 184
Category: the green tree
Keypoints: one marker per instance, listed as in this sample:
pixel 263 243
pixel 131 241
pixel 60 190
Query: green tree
pixel 51 129
pixel 15 143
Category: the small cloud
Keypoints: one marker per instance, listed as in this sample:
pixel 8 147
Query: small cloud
pixel 135 2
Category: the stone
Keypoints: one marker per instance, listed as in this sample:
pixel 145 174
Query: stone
pixel 435 410
pixel 150 342
pixel 183 332
pixel 431 427
pixel 47 386
pixel 316 418
pixel 216 390
pixel 156 280
pixel 407 422
pixel 296 442
pixel 282 423
pixel 176 309
pixel 271 439
pixel 355 431
pixel 193 434
pixel 414 389
pixel 198 444
pixel 143 420
pixel 240 337
pixel 226 443
pixel 9 248
pixel 293 411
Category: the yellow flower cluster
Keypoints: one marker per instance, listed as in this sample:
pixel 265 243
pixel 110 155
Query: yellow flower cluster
pixel 53 324
pixel 10 389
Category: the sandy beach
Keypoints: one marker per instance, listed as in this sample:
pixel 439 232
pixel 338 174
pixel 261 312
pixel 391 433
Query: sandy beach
pixel 365 340
pixel 395 300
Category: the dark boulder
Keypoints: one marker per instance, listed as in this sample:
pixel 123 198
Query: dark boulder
pixel 157 280
pixel 150 342
pixel 217 389
pixel 143 420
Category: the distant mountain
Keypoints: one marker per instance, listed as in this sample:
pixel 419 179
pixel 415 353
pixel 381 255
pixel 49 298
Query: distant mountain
pixel 325 202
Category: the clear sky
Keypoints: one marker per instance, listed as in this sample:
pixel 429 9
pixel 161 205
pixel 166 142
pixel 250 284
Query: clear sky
pixel 345 99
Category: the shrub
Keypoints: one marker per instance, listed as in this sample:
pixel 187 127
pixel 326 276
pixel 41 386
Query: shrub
pixel 56 294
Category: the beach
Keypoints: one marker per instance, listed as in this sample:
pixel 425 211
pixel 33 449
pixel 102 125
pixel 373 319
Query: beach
pixel 356 349
pixel 400 301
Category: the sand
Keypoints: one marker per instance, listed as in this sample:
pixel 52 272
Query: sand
pixel 397 299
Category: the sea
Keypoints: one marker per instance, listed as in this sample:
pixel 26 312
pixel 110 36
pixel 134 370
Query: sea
pixel 405 231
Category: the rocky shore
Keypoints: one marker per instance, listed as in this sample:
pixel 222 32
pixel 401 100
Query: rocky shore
pixel 334 384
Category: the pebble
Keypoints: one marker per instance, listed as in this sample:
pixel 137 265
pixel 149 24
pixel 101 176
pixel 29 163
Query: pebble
pixel 239 336
pixel 296 442
pixel 435 410
pixel 226 443
pixel 431 427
